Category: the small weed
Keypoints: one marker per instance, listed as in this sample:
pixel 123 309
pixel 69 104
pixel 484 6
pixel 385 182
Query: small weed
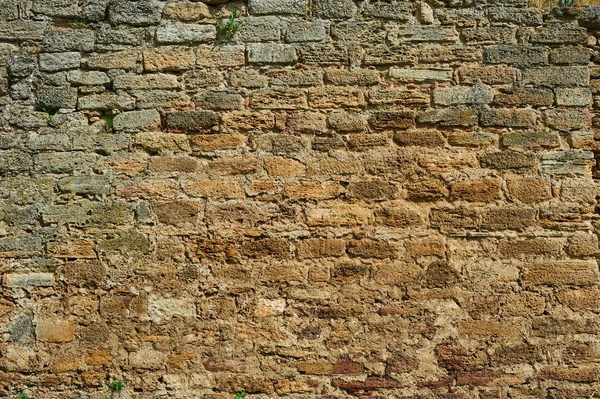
pixel 229 27
pixel 115 387
pixel 566 3
pixel 240 395
pixel 23 395
pixel 78 24
pixel 51 112
pixel 109 121
pixel 194 42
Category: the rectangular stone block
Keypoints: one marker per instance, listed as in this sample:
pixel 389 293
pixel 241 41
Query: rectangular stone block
pixel 261 7
pixel 559 273
pixel 185 34
pixel 272 53
pixel 515 54
pixel 557 76
pixel 53 62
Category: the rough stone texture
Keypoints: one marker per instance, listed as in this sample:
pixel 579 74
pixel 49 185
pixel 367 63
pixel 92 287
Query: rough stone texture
pixel 347 199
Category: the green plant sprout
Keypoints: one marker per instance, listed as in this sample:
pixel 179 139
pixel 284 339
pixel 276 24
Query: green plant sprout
pixel 23 395
pixel 566 3
pixel 109 121
pixel 240 395
pixel 78 23
pixel 115 387
pixel 230 27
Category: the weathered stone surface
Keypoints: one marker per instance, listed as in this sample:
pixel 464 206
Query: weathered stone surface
pixel 136 121
pixel 69 40
pixel 278 7
pixel 399 194
pixel 185 33
pixel 53 62
pixel 137 13
pixel 271 53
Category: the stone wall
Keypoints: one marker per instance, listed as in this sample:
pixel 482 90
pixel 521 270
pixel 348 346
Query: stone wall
pixel 346 199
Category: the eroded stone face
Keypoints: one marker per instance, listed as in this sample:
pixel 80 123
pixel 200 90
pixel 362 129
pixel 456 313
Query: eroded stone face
pixel 339 198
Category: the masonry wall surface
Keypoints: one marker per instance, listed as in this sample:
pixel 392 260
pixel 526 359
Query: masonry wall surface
pixel 346 199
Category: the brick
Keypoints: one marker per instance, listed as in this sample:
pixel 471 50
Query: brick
pixel 484 189
pixel 384 96
pixel 509 218
pixel 185 33
pixel 302 32
pixel 54 331
pixel 344 121
pixel 137 13
pixel 272 53
pixel 401 119
pixel 233 166
pixel 471 139
pixel 278 7
pixel 514 118
pixel 508 160
pixel 531 247
pixel 557 76
pixel 216 142
pixel 98 357
pixel 53 62
pixel 515 54
pixel 146 82
pixel 222 56
pixel 529 189
pixel 558 273
pixel 278 99
pixel 262 247
pixel 22 30
pixel 453 116
pixel 583 244
pixel 365 142
pixel 213 189
pixel 567 119
pixel 488 35
pixel 173 164
pixel 161 143
pixel 345 77
pixel 311 190
pixel 526 16
pixel 126 60
pixel 398 215
pixel 136 121
pixel 186 11
pixel 320 248
pixel 29 280
pixel 420 138
pixel 567 162
pixel 307 122
pixel 535 97
pixel 68 40
pixel 336 97
pixel 462 95
pixel 535 139
pixel 573 97
pixel 420 75
pixel 493 75
pixel 372 190
pixel 338 215
pixel 279 166
pixel 169 58
pixel 176 213
pixel 580 299
pixel 556 34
